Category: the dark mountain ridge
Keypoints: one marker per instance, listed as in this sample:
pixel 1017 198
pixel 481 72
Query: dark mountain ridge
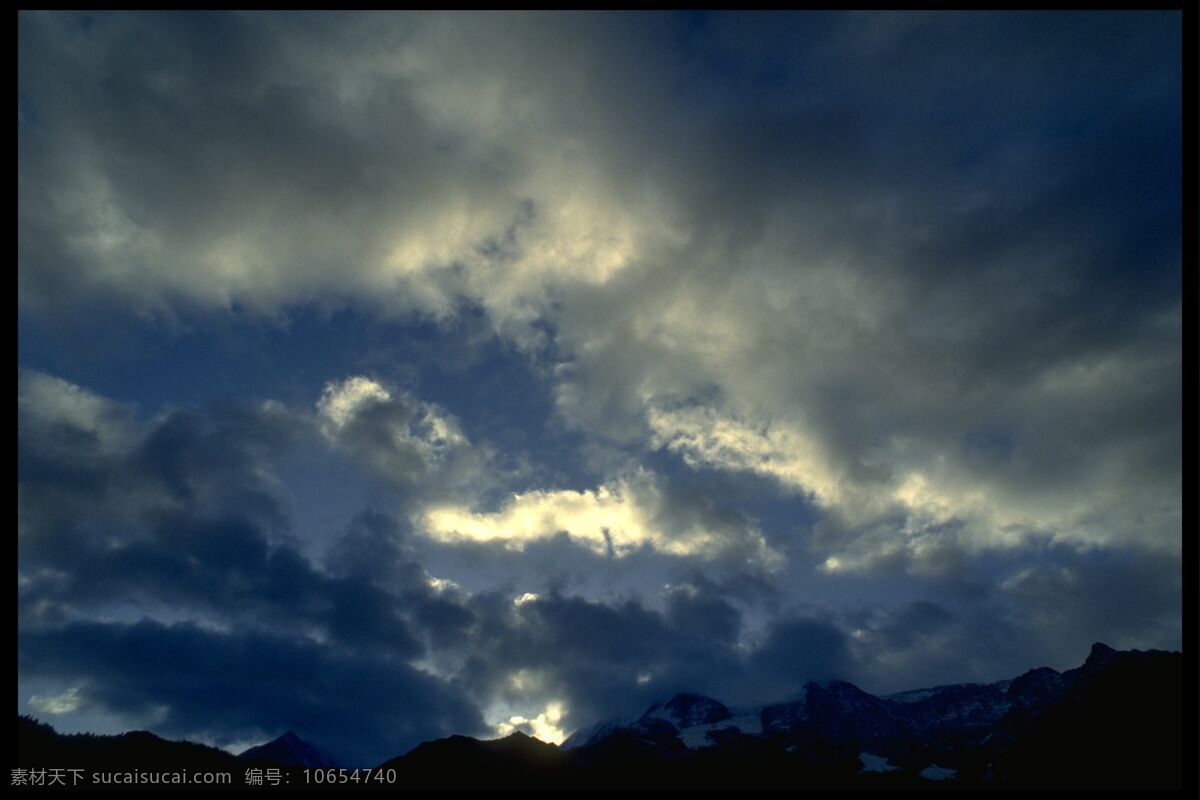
pixel 1113 722
pixel 40 746
pixel 289 750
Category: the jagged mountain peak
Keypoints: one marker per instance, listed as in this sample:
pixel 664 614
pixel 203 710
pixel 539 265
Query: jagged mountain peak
pixel 840 710
pixel 1036 687
pixel 1115 723
pixel 592 733
pixel 686 709
pixel 291 751
pixel 835 687
pixel 1100 652
pixel 522 740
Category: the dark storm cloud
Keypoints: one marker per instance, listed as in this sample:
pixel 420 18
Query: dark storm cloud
pixel 589 655
pixel 709 617
pixel 225 569
pixel 610 659
pixel 798 650
pixel 1047 613
pixel 1127 601
pixel 85 466
pixel 229 685
pixel 210 537
pixel 179 519
pixel 375 547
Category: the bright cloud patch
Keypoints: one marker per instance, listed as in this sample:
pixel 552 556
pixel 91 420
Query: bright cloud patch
pixel 615 519
pixel 403 438
pixel 544 726
pixel 100 425
pixel 63 703
pixel 607 519
pixel 425 426
pixel 703 436
pixel 340 401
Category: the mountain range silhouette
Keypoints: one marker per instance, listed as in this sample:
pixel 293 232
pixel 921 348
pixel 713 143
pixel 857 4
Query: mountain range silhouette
pixel 1113 722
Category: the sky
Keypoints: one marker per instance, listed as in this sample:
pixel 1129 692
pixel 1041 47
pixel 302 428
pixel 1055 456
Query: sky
pixel 383 376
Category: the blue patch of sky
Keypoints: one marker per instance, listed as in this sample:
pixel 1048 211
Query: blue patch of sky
pixel 497 393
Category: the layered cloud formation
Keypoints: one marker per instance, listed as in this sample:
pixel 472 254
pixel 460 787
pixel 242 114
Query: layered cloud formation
pixel 853 339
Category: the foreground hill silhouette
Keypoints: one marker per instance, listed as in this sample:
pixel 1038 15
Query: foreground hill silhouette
pixel 289 750
pixel 40 746
pixel 1114 722
pixel 517 760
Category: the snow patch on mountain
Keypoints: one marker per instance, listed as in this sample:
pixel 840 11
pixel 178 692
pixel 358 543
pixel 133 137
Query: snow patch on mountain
pixel 873 763
pixel 935 773
pixel 687 710
pixel 594 733
pixel 912 696
pixel 697 736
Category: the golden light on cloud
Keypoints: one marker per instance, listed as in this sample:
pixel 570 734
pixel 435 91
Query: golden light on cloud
pixel 704 436
pixel 615 520
pixel 589 240
pixel 941 507
pixel 544 726
pixel 63 703
pixel 607 519
pixel 418 427
pixel 438 243
pixel 340 401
